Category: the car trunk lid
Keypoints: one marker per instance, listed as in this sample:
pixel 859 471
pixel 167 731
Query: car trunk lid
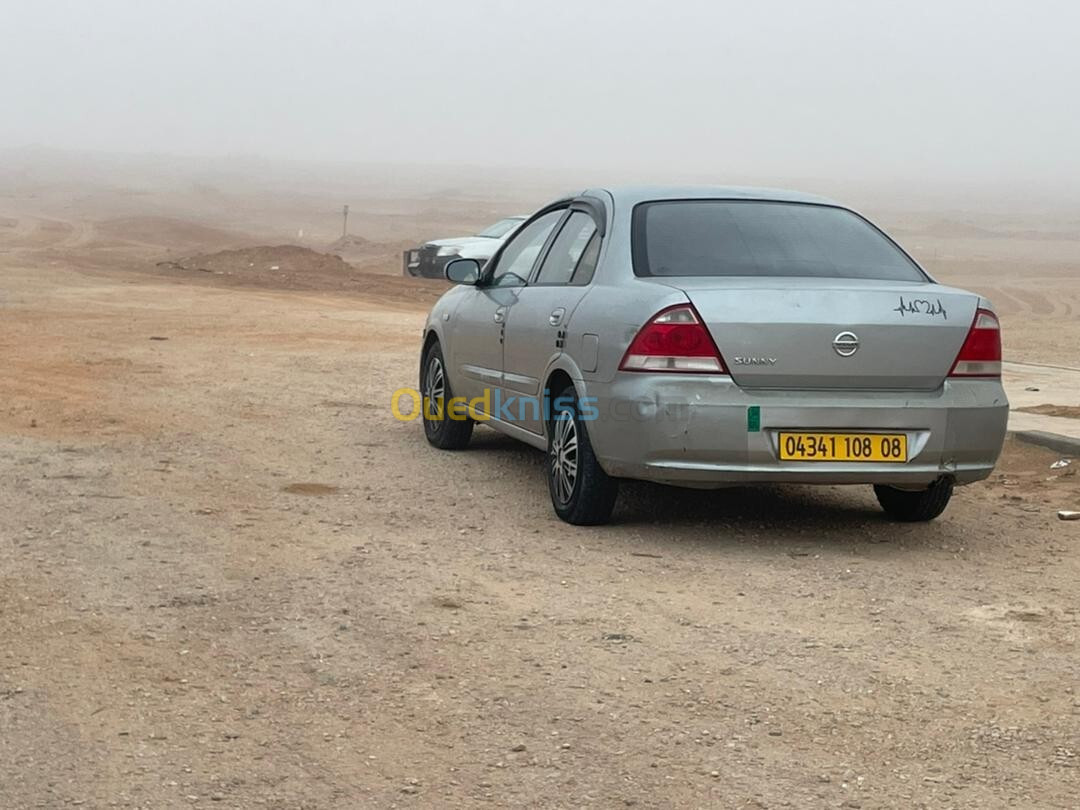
pixel 817 333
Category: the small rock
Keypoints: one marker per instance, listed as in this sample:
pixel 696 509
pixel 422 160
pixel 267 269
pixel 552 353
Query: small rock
pixel 1032 388
pixel 1066 514
pixel 518 748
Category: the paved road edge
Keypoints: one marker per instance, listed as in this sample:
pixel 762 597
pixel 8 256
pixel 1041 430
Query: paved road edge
pixel 1066 445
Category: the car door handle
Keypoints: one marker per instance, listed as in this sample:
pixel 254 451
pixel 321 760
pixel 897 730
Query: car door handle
pixel 555 318
pixel 500 315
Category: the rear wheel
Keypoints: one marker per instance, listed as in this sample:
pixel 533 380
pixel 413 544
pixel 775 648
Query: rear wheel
pixel 441 430
pixel 581 492
pixel 915 507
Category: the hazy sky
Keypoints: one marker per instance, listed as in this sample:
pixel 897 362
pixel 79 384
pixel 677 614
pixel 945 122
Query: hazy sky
pixel 968 88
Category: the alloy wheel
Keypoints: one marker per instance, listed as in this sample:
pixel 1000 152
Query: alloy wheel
pixel 434 389
pixel 564 456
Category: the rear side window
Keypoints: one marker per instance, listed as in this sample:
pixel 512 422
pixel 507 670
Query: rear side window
pixel 568 249
pixel 587 266
pixel 755 238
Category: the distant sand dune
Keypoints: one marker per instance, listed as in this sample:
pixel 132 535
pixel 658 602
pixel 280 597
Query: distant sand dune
pixel 171 233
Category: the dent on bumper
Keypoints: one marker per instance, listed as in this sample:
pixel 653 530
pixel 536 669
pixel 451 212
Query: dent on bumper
pixel 694 431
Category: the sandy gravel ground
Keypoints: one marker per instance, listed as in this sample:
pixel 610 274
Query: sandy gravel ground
pixel 229 578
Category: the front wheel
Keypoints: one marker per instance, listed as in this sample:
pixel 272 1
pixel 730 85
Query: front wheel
pixel 581 492
pixel 915 507
pixel 443 428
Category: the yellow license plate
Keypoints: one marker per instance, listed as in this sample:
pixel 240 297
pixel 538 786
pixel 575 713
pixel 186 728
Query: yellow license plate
pixel 888 447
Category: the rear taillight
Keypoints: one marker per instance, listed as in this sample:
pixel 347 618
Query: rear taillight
pixel 674 340
pixel 981 353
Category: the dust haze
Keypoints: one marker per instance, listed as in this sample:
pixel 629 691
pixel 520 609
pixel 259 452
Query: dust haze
pixel 828 93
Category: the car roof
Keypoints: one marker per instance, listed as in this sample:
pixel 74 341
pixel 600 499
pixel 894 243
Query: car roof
pixel 632 195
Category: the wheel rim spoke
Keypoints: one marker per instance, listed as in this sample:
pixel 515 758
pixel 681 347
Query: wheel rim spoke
pixel 564 461
pixel 435 385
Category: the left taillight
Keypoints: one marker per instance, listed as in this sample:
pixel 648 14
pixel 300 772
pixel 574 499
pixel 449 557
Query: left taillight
pixel 980 356
pixel 674 339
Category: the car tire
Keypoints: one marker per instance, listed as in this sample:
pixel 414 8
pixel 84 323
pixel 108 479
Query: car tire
pixel 440 430
pixel 915 507
pixel 581 492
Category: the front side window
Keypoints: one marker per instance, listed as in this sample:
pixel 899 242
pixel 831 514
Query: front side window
pixel 518 257
pixel 758 238
pixel 567 249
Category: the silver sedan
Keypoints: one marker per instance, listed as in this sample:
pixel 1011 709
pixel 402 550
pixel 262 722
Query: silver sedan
pixel 708 337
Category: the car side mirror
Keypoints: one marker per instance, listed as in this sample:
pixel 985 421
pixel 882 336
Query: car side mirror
pixel 463 271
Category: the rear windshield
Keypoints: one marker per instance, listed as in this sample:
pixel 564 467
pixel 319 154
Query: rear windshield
pixel 754 238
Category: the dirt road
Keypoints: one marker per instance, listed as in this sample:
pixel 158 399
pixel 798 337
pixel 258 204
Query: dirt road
pixel 228 577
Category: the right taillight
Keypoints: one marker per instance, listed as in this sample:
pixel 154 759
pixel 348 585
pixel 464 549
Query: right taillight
pixel 675 339
pixel 980 355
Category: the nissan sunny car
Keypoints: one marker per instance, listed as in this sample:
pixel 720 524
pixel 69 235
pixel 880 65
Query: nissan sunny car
pixel 709 337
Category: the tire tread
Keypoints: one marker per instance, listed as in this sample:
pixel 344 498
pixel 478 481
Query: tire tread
pixel 915 507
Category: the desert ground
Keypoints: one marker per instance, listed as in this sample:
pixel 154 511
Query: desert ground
pixel 230 578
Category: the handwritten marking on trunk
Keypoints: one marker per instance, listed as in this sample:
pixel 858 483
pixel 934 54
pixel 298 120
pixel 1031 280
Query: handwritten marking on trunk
pixel 921 306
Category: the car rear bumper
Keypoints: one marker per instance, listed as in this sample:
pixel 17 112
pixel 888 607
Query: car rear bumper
pixel 702 430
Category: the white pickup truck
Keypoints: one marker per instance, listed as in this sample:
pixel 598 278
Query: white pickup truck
pixel 429 260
